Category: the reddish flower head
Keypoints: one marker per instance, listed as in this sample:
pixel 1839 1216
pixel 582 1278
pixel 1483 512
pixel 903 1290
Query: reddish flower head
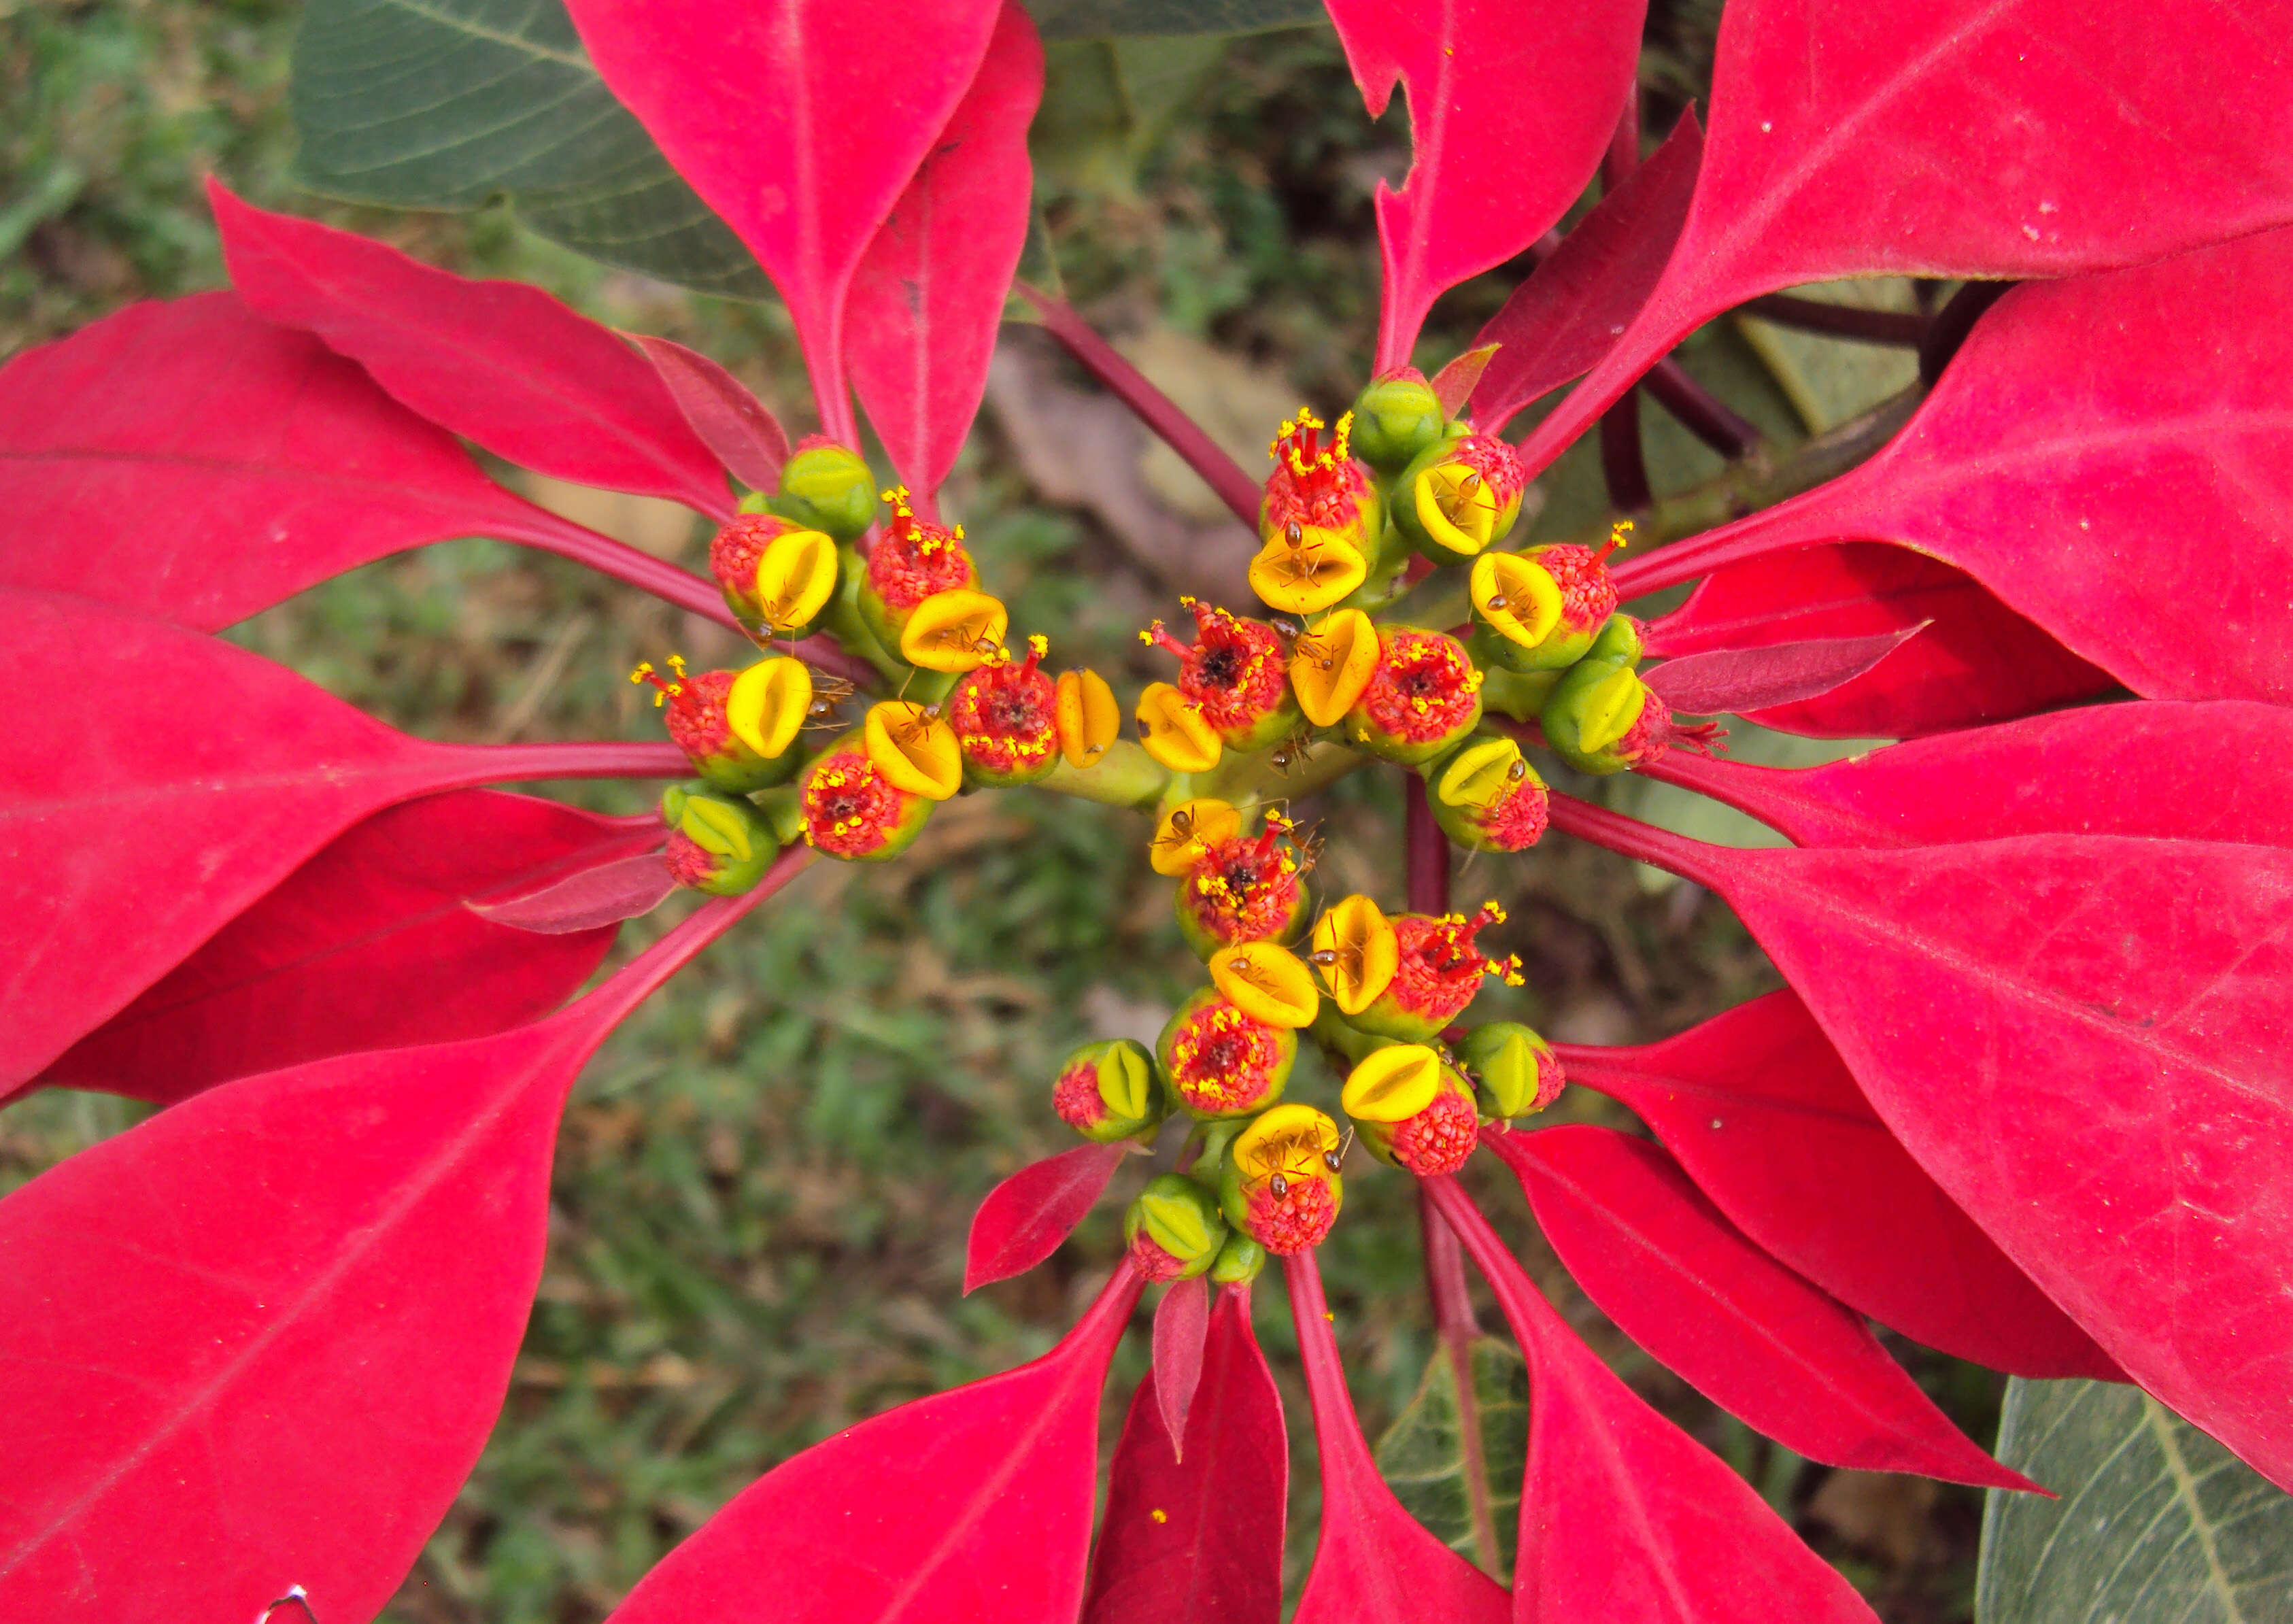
pixel 851 810
pixel 1440 968
pixel 692 709
pixel 1237 670
pixel 912 559
pixel 1222 1062
pixel 1424 695
pixel 1248 888
pixel 1280 1183
pixel 1006 718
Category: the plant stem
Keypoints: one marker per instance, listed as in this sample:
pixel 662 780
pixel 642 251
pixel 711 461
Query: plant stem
pixel 1952 323
pixel 526 763
pixel 1155 410
pixel 1902 330
pixel 1699 411
pixel 1624 467
pixel 1643 842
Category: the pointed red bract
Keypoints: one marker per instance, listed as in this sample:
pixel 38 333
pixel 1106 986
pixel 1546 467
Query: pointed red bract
pixel 1760 1110
pixel 501 363
pixel 1453 385
pixel 259 1340
pixel 1199 1541
pixel 928 295
pixel 1026 1217
pixel 1374 1563
pixel 1581 299
pixel 1622 1516
pixel 1738 681
pixel 369 945
pixel 1754 1337
pixel 1509 115
pixel 1181 1320
pixel 1973 660
pixel 1843 137
pixel 799 122
pixel 732 422
pixel 192 461
pixel 174 781
pixel 2215 771
pixel 2081 1037
pixel 971 1504
pixel 604 894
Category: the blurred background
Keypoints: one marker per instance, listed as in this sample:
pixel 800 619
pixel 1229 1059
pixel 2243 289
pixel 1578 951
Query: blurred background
pixel 765 1179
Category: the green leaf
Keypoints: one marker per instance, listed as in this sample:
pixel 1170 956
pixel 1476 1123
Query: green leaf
pixel 1422 1461
pixel 2156 1519
pixel 449 104
pixel 1114 19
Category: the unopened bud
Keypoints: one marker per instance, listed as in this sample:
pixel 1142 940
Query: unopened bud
pixel 717 843
pixel 1515 1072
pixel 1486 797
pixel 1395 418
pixel 1107 1091
pixel 826 486
pixel 1174 1228
pixel 1239 1261
pixel 1280 1183
pixel 1220 1062
pixel 1412 1111
pixel 1460 496
pixel 1423 696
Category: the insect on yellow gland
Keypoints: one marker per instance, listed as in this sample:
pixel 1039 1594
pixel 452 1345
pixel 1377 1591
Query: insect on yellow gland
pixel 795 579
pixel 1357 952
pixel 1392 1084
pixel 957 630
pixel 1183 832
pixel 1484 775
pixel 1458 508
pixel 1309 574
pixel 914 749
pixel 1175 732
pixel 1515 596
pixel 767 705
pixel 1087 717
pixel 1287 1139
pixel 1331 664
pixel 1268 982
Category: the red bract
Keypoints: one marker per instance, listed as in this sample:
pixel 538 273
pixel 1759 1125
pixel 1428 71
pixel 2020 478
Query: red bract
pixel 800 122
pixel 1181 1321
pixel 372 944
pixel 732 422
pixel 610 891
pixel 1026 1217
pixel 929 295
pixel 1741 681
pixel 1483 91
pixel 498 362
pixel 974 1503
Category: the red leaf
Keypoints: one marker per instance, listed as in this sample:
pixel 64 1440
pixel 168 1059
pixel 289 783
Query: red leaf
pixel 1747 1333
pixel 1580 300
pixel 622 888
pixel 1760 1110
pixel 1973 660
pixel 127 837
pixel 1213 1555
pixel 2217 771
pixel 259 1340
pixel 1374 1563
pixel 1025 1218
pixel 732 422
pixel 974 1503
pixel 1622 1516
pixel 1453 385
pixel 2081 1037
pixel 275 462
pixel 1843 137
pixel 2082 423
pixel 498 363
pixel 1734 681
pixel 929 295
pixel 367 946
pixel 1182 1321
pixel 800 122
pixel 1508 117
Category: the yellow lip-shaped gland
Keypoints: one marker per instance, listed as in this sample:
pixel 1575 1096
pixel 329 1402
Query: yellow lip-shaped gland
pixel 1609 710
pixel 1356 951
pixel 1291 1138
pixel 1515 598
pixel 954 630
pixel 1332 664
pixel 1457 507
pixel 1393 1085
pixel 1310 576
pixel 1267 983
pixel 1087 717
pixel 1175 732
pixel 767 703
pixel 913 749
pixel 1483 776
pixel 795 578
pixel 1187 830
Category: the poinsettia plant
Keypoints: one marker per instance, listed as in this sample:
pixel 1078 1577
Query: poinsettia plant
pixel 2024 1100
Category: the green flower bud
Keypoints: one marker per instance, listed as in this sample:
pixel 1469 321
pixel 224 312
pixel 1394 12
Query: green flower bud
pixel 1239 1260
pixel 1174 1228
pixel 1107 1091
pixel 827 487
pixel 1601 718
pixel 1515 1072
pixel 1395 418
pixel 717 843
pixel 1486 797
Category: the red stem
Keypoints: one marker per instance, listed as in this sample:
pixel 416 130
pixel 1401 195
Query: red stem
pixel 526 763
pixel 1699 411
pixel 1624 467
pixel 1337 1429
pixel 1764 792
pixel 1530 1316
pixel 1155 410
pixel 1425 850
pixel 1690 859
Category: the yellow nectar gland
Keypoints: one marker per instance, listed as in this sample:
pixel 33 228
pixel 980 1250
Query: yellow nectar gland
pixel 955 631
pixel 1293 1140
pixel 913 749
pixel 1357 952
pixel 1174 731
pixel 796 575
pixel 1393 1085
pixel 1087 717
pixel 768 704
pixel 1268 982
pixel 1331 665
pixel 1187 831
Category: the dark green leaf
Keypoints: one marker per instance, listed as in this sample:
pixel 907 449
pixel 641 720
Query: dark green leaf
pixel 1421 1459
pixel 452 104
pixel 1114 19
pixel 2156 1519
